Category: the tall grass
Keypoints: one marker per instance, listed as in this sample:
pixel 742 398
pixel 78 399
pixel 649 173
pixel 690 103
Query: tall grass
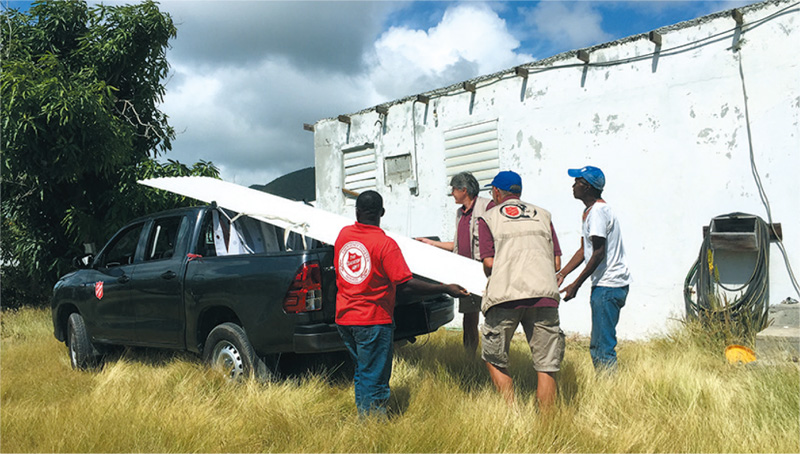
pixel 673 394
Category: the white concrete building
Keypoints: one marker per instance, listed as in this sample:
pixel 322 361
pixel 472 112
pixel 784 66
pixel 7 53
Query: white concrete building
pixel 665 116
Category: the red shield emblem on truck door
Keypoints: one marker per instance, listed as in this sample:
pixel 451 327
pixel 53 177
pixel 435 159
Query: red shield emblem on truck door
pixel 98 290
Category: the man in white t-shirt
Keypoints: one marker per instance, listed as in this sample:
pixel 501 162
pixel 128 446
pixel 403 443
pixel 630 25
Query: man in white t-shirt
pixel 602 250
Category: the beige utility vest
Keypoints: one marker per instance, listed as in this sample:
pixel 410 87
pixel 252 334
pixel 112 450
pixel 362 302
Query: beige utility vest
pixel 523 254
pixel 478 209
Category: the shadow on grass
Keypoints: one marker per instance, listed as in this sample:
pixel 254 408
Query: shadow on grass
pixel 333 367
pixel 470 373
pixel 399 401
pixel 150 357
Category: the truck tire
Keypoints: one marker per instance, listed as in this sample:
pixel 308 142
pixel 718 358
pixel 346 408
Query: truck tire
pixel 228 350
pixel 82 354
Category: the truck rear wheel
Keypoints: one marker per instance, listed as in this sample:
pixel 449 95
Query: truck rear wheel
pixel 227 349
pixel 82 354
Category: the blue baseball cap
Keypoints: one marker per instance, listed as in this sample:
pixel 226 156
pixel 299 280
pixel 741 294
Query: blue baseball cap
pixel 507 181
pixel 592 175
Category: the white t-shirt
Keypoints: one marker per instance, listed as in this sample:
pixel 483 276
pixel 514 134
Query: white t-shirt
pixel 613 271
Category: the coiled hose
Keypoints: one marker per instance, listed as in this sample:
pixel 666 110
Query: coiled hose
pixel 749 311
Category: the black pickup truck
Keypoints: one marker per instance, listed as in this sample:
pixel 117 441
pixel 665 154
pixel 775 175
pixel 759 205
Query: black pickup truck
pixel 233 289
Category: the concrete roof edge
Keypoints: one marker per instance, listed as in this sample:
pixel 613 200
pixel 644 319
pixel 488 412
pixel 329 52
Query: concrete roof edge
pixel 549 61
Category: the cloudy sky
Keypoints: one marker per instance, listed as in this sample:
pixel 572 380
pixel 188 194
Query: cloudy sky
pixel 246 75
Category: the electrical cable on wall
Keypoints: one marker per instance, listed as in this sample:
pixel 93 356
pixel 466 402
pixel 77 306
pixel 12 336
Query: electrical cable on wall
pixel 757 178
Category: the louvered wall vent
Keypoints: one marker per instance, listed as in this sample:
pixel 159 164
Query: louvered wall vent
pixel 360 168
pixel 472 149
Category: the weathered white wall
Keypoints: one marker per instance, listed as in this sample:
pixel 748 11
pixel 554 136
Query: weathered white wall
pixel 668 129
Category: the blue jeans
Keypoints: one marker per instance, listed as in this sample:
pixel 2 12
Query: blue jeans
pixel 606 304
pixel 371 349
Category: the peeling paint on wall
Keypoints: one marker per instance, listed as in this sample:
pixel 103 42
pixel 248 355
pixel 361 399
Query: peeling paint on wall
pixel 537 148
pixel 732 143
pixel 706 136
pixel 611 128
pixel 530 94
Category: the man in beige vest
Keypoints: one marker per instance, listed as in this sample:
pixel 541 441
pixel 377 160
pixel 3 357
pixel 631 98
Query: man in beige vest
pixel 465 190
pixel 518 247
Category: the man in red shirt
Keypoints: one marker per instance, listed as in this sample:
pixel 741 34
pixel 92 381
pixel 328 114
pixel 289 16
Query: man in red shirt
pixel 370 268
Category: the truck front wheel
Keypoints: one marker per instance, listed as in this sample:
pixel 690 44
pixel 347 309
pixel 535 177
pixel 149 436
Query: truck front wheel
pixel 227 349
pixel 82 354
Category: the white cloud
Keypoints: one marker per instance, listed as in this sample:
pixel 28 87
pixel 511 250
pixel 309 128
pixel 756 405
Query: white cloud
pixel 245 111
pixel 574 24
pixel 249 120
pixel 470 40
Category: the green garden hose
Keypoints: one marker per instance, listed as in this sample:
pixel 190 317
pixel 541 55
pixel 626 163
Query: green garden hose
pixel 750 309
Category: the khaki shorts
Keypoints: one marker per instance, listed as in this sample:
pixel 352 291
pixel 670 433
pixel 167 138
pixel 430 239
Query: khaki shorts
pixel 469 304
pixel 541 326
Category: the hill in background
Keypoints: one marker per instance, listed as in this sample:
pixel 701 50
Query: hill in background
pixel 298 185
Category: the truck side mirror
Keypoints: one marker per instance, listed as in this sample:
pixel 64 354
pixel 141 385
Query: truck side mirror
pixel 84 261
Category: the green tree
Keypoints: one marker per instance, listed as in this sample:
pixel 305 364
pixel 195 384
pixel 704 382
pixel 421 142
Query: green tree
pixel 80 125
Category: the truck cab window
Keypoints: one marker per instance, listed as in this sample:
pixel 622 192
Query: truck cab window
pixel 163 238
pixel 205 241
pixel 122 250
pixel 245 235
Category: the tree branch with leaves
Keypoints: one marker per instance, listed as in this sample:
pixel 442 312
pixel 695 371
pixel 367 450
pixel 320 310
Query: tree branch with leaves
pixel 80 90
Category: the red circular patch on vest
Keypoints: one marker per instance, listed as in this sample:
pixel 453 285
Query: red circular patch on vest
pixel 511 211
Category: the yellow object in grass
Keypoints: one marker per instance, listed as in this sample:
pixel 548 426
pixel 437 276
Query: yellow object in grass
pixel 739 354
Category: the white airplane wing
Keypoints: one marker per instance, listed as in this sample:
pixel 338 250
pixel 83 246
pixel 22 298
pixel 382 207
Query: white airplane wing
pixel 424 260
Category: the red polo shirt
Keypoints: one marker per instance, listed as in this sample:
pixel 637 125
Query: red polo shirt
pixel 369 267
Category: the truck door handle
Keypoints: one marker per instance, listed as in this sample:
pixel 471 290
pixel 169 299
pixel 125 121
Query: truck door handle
pixel 168 275
pixel 124 279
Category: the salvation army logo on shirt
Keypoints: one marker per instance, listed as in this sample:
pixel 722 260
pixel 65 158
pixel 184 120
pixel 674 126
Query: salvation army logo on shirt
pixel 354 263
pixel 511 211
pixel 515 211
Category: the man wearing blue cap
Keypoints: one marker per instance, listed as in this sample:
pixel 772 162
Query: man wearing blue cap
pixel 603 251
pixel 518 247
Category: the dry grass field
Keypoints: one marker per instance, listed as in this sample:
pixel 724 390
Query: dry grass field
pixel 674 394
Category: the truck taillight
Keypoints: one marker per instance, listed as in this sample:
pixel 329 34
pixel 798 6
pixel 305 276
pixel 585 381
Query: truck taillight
pixel 305 292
